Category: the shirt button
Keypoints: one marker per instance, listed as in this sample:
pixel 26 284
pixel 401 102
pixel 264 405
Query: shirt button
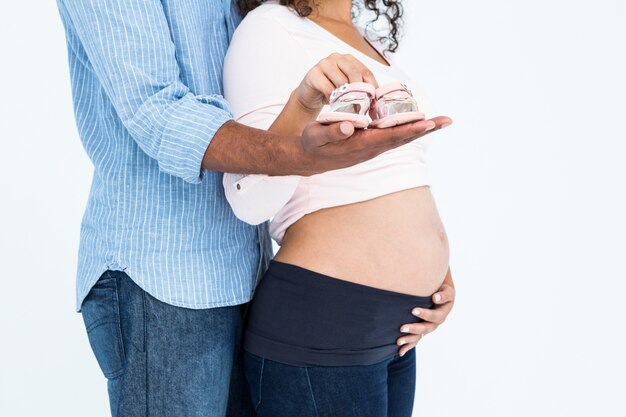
pixel 238 186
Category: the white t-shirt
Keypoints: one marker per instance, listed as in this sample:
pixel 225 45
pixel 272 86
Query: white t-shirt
pixel 271 51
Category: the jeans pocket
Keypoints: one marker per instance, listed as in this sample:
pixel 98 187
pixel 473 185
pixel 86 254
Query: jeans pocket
pixel 254 377
pixel 101 315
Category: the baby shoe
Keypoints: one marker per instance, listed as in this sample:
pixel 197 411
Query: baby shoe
pixel 394 105
pixel 350 102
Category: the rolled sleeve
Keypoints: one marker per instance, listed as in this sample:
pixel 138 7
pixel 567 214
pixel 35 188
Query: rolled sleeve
pixel 130 50
pixel 188 133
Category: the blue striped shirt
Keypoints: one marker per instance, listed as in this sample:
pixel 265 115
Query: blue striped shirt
pixel 146 81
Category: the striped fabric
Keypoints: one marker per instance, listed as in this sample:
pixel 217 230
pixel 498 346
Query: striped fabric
pixel 147 82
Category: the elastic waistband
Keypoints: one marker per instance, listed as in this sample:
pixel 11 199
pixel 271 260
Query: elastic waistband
pixel 304 318
pixel 306 276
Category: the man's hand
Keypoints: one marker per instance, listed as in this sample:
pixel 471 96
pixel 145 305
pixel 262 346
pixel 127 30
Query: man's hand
pixel 245 150
pixel 432 318
pixel 321 148
pixel 307 100
pixel 325 148
pixel 295 145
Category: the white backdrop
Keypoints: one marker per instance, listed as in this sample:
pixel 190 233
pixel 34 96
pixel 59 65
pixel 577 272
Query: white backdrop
pixel 529 182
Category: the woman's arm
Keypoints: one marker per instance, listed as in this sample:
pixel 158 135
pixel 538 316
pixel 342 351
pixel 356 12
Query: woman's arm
pixel 257 198
pixel 293 118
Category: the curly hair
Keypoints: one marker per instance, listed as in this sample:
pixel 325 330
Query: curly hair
pixel 390 11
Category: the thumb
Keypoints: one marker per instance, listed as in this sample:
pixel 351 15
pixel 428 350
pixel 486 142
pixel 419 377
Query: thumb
pixel 337 132
pixel 323 134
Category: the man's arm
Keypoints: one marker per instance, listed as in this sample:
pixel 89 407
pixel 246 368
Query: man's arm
pixel 130 49
pixel 237 148
pixel 432 318
pixel 299 146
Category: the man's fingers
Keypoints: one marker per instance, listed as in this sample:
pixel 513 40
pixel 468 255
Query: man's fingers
pixel 340 140
pixel 381 138
pixel 327 134
pixel 417 129
pixel 393 136
pixel 338 131
pixel 346 129
pixel 441 122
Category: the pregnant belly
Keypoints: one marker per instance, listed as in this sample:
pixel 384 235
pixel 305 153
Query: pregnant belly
pixel 396 242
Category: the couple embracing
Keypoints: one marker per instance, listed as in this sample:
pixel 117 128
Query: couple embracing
pixel 210 135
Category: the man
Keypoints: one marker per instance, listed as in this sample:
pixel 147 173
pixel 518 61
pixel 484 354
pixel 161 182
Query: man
pixel 164 265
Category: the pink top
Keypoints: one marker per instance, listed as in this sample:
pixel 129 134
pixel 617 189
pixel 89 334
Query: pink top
pixel 258 83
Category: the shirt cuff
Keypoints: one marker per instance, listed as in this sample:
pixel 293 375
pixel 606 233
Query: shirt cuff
pixel 189 132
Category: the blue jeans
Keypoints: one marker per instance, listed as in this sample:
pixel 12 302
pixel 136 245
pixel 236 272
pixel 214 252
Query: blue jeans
pixel 161 360
pixel 385 389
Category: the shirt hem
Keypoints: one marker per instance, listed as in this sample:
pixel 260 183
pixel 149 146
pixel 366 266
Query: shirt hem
pixel 194 306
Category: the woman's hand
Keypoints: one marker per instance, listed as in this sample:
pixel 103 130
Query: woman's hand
pixel 330 73
pixel 432 318
pixel 306 101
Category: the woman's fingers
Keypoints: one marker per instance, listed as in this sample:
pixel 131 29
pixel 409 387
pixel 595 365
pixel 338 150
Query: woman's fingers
pixel 407 343
pixel 341 69
pixel 351 68
pixel 410 339
pixel 436 315
pixel 418 328
pixel 326 87
pixel 405 348
pixel 445 294
pixel 355 70
pixel 431 317
pixel 333 73
pixel 316 82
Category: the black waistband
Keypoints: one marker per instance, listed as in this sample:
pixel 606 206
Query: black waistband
pixel 304 318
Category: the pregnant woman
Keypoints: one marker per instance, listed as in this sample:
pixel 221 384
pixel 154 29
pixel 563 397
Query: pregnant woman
pixel 360 246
